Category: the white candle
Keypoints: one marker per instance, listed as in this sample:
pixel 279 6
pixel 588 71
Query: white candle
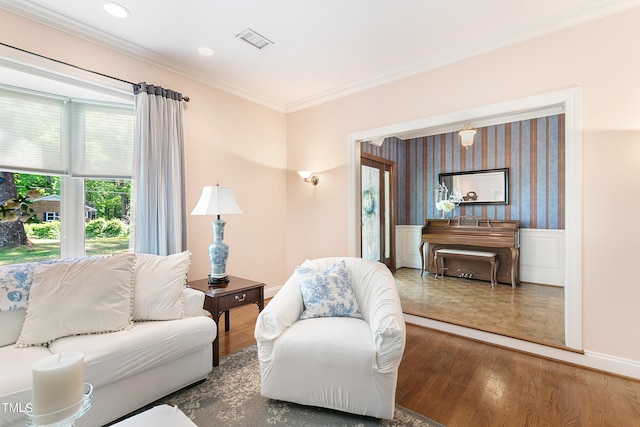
pixel 57 385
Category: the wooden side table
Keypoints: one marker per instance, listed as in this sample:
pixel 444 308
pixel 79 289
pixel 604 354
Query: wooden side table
pixel 238 292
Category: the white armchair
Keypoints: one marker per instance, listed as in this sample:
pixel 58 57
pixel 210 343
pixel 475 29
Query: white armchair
pixel 340 363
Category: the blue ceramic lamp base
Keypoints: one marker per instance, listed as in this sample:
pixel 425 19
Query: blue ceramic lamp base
pixel 218 254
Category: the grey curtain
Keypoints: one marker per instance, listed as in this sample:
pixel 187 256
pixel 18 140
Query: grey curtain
pixel 159 211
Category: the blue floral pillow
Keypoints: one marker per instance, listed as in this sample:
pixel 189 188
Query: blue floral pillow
pixel 327 293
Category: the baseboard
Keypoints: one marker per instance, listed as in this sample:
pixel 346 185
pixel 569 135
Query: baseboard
pixel 269 292
pixel 593 360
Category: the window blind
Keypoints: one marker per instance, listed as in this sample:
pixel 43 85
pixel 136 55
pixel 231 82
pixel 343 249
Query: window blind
pixel 62 136
pixel 101 140
pixel 31 132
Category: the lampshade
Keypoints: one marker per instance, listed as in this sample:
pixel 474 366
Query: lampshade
pixel 304 174
pixel 216 200
pixel 466 136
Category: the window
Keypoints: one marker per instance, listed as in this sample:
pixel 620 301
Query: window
pixel 51 216
pixel 80 137
pixel 105 218
pixel 108 200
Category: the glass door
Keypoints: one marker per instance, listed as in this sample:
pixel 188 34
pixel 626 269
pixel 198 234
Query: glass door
pixel 377 218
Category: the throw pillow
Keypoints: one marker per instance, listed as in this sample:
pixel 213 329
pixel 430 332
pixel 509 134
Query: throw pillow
pixel 11 322
pixel 15 282
pixel 91 295
pixel 158 284
pixel 327 293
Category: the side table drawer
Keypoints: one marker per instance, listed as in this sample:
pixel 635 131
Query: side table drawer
pixel 238 299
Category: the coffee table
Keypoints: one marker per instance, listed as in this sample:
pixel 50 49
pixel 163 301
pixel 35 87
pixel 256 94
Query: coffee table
pixel 218 300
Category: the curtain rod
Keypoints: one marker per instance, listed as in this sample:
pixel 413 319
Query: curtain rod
pixel 184 97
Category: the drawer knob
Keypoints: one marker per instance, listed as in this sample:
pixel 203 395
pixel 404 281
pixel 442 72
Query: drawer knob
pixel 244 296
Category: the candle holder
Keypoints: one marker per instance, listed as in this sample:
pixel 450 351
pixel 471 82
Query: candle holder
pixel 41 420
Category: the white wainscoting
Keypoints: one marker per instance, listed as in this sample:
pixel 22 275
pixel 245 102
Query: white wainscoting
pixel 542 253
pixel 408 238
pixel 542 256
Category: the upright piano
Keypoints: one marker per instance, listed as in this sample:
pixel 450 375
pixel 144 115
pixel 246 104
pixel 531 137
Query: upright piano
pixel 473 233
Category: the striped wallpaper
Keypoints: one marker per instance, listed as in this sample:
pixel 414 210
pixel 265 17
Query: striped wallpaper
pixel 533 150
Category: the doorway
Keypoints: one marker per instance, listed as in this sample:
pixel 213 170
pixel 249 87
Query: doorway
pixel 377 214
pixel 564 101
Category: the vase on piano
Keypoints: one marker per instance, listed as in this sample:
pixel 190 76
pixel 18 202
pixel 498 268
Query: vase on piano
pixel 445 206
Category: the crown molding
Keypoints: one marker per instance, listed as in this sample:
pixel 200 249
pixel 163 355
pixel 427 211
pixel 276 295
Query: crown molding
pixel 588 12
pixel 576 16
pixel 78 29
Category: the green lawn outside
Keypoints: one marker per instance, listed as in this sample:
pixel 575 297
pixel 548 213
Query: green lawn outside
pixel 50 249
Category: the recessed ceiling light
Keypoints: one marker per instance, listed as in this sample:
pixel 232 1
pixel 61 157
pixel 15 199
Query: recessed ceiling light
pixel 205 51
pixel 116 9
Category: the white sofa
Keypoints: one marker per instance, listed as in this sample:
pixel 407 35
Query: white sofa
pixel 128 368
pixel 343 363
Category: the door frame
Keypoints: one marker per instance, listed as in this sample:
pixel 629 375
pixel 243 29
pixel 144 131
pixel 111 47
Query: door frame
pixel 567 101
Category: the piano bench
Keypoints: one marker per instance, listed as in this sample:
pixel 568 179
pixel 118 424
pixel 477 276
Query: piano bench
pixel 491 257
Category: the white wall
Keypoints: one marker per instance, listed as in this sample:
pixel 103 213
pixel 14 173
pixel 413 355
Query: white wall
pixel 594 56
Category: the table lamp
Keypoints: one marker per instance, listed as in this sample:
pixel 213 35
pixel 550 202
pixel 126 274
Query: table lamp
pixel 217 200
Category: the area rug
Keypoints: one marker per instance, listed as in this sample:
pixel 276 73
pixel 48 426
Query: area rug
pixel 230 397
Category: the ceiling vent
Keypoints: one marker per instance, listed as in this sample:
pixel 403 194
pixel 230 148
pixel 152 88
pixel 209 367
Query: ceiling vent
pixel 254 38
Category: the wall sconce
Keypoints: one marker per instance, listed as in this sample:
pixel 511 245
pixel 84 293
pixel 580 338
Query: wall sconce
pixel 466 136
pixel 311 179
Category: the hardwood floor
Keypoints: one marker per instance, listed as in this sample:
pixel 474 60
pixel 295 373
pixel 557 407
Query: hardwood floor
pixel 461 382
pixel 530 312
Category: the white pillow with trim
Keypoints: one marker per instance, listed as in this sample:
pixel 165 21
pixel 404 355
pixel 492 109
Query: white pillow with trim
pixel 158 284
pixel 86 296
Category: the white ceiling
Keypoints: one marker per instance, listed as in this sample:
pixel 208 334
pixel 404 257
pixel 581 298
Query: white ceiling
pixel 323 49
